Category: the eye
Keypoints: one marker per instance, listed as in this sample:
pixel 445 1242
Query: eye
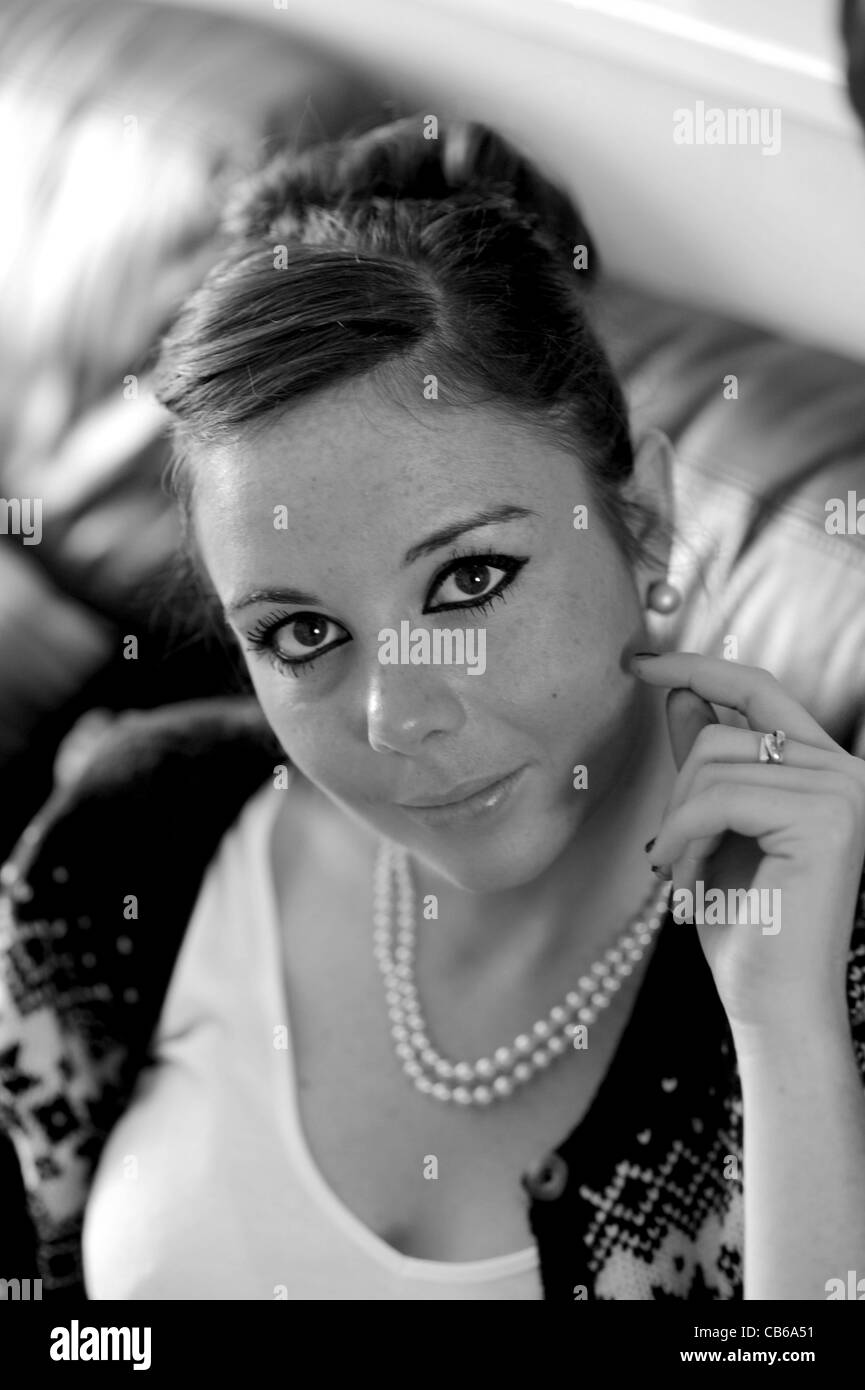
pixel 473 580
pixel 297 640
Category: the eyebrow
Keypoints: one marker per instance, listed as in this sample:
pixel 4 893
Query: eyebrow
pixel 458 528
pixel 489 517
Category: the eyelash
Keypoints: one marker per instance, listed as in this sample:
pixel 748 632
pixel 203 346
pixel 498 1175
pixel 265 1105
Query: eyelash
pixel 260 638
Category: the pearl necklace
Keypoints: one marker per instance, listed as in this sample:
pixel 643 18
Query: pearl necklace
pixel 496 1077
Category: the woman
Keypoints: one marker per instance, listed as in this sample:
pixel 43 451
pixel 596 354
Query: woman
pixel 431 1031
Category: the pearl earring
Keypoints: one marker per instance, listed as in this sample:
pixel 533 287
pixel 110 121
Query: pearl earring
pixel 663 597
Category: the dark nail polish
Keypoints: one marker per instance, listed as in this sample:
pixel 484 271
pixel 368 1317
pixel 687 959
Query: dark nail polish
pixel 650 843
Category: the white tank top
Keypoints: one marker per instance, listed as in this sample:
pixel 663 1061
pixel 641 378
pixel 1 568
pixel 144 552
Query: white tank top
pixel 205 1187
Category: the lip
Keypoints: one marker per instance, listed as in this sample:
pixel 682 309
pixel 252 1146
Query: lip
pixel 463 792
pixel 481 797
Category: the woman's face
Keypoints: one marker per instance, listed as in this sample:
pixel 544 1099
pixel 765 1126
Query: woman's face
pixel 328 528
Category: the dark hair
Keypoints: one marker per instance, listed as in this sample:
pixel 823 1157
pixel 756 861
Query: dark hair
pixel 402 256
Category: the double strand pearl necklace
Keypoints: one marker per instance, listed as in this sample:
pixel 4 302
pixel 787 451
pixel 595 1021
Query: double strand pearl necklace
pixel 496 1077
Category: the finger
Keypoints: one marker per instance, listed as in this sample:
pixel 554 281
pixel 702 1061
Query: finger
pixel 760 816
pixel 760 802
pixel 742 775
pixel 688 715
pixel 726 743
pixel 750 690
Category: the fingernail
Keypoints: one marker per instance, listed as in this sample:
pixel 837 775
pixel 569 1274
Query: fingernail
pixel 649 844
pixel 662 872
pixel 642 656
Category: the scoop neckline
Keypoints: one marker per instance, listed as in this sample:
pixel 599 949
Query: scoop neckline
pixel 600 1108
pixel 287 1109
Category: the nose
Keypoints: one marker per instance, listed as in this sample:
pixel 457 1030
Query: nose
pixel 406 704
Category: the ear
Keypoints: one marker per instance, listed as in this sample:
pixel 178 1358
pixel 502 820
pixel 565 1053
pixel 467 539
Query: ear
pixel 651 484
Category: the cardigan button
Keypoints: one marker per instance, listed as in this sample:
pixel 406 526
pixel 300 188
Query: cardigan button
pixel 547 1180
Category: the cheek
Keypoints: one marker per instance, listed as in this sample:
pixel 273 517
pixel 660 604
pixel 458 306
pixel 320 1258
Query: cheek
pixel 566 685
pixel 309 730
pixel 562 658
pixel 294 718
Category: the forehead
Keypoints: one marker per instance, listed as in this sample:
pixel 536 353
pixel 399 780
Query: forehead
pixel 355 477
pixel 355 451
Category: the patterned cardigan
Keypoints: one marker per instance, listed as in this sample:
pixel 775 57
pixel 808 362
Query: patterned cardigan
pixel 642 1200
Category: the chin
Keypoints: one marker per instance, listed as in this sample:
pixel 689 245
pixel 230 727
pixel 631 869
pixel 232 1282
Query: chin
pixel 496 862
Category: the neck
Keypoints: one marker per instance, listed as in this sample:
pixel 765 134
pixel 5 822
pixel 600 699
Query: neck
pixel 571 909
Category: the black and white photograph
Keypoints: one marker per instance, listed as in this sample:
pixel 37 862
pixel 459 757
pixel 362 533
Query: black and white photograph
pixel 432 667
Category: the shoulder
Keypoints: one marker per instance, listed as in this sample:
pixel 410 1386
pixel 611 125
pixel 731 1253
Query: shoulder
pixel 118 854
pixel 94 902
pixel 203 754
